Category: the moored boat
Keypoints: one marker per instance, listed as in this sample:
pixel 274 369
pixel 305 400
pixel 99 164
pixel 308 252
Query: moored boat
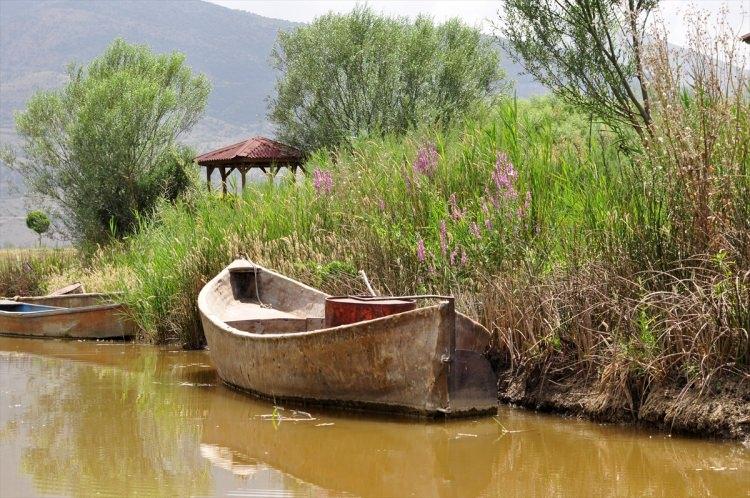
pixel 280 339
pixel 80 316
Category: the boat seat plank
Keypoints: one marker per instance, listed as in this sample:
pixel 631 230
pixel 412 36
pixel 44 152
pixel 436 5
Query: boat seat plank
pixel 238 311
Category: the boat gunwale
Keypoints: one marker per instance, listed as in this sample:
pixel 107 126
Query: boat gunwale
pixel 61 297
pixel 225 327
pixel 60 310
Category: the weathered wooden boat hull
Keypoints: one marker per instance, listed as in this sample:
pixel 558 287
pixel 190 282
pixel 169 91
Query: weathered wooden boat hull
pixel 80 316
pixel 408 362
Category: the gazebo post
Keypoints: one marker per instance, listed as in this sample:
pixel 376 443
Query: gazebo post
pixel 209 170
pixel 223 172
pixel 243 171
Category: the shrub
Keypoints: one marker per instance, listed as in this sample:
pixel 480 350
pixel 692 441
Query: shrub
pixel 103 149
pixel 39 222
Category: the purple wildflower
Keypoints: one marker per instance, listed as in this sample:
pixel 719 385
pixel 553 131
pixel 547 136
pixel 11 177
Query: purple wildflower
pixel 504 176
pixel 456 212
pixel 464 258
pixel 381 205
pixel 443 238
pixel 426 160
pixel 495 201
pixel 474 229
pixel 454 253
pixel 420 251
pixel 322 181
pixel 488 224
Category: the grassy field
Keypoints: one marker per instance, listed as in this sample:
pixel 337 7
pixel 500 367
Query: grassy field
pixel 26 272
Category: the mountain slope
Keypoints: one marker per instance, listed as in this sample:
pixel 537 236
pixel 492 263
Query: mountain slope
pixel 38 40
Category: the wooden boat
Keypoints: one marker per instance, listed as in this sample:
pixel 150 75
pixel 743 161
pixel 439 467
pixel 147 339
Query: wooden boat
pixel 82 316
pixel 267 334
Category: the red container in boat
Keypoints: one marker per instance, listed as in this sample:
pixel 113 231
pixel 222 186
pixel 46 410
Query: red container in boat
pixel 345 310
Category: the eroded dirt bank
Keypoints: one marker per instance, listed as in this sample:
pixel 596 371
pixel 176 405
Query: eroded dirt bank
pixel 721 412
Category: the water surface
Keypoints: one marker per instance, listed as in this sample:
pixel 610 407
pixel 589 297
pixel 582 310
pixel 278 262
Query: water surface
pixel 114 419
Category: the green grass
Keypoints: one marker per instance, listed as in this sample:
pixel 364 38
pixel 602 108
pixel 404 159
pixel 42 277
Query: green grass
pixel 27 272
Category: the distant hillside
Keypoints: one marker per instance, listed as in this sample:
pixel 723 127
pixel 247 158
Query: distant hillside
pixel 232 47
pixel 38 40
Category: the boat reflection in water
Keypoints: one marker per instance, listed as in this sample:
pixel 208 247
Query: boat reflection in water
pixel 81 418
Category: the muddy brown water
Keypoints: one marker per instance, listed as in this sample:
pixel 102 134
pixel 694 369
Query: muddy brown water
pixel 114 419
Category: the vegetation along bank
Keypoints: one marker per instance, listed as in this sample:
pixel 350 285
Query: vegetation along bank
pixel 608 252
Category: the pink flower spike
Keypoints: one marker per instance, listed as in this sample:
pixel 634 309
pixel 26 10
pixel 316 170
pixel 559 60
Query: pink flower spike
pixel 421 251
pixel 426 160
pixel 322 182
pixel 474 229
pixel 504 177
pixel 456 212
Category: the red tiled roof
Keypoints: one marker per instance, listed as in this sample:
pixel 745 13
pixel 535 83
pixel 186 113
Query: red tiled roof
pixel 253 150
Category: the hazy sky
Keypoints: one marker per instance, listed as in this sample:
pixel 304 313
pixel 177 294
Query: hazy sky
pixel 475 12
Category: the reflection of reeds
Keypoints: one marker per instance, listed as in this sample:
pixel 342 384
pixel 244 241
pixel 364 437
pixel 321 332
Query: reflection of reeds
pixel 109 430
pixel 574 458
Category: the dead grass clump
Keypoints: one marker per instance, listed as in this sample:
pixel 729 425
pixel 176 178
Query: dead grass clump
pixel 25 272
pixel 621 333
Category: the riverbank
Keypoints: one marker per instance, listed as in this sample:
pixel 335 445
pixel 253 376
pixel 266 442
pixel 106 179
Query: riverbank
pixel 721 412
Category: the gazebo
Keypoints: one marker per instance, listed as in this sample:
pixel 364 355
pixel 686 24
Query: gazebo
pixel 267 155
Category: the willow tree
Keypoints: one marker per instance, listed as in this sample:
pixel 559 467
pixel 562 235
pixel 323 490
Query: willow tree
pixel 103 148
pixel 362 73
pixel 589 52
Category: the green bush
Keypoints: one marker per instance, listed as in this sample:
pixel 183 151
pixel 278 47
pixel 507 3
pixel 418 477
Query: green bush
pixel 103 147
pixel 39 222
